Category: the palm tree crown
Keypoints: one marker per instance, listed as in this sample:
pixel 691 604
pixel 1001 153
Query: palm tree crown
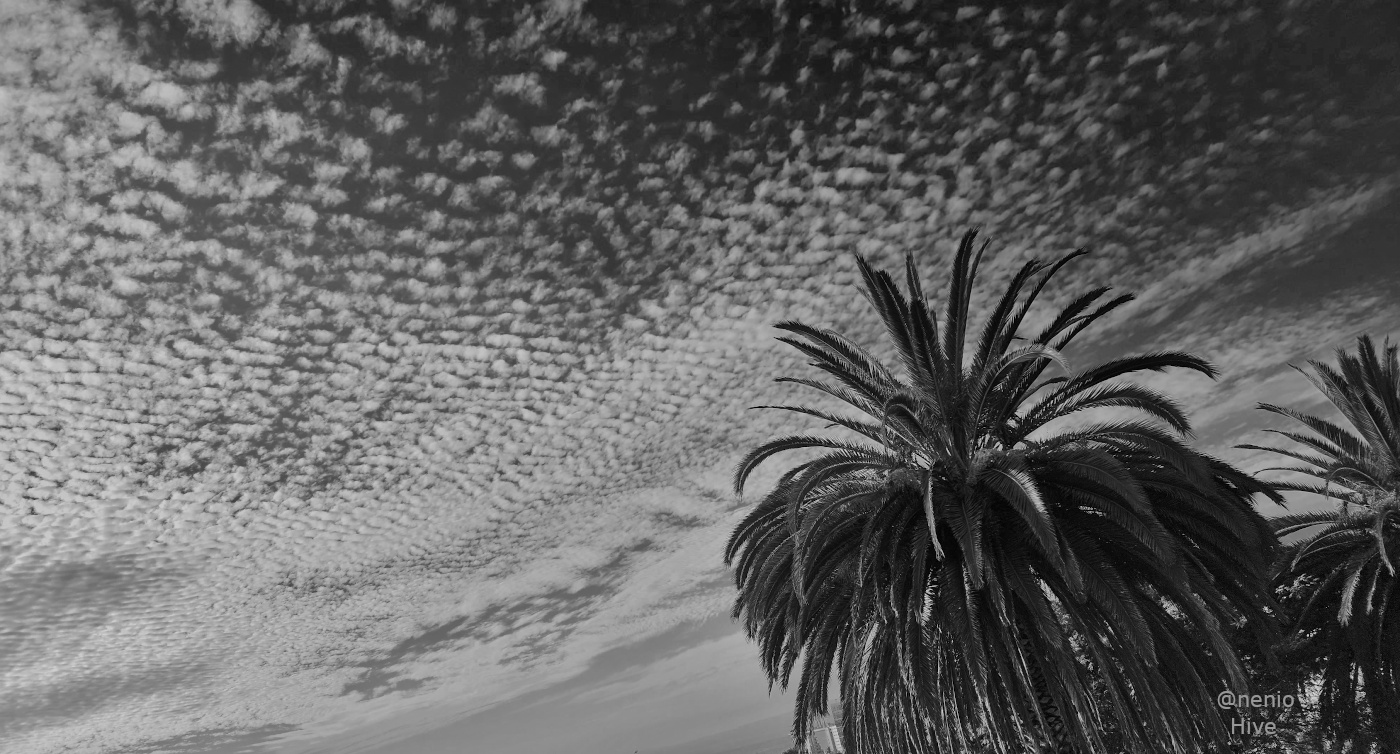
pixel 1342 571
pixel 977 580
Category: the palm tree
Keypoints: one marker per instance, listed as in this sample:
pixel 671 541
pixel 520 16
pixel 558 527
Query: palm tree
pixel 1341 573
pixel 976 579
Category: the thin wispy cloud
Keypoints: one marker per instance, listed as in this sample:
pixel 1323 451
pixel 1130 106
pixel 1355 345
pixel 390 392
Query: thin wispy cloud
pixel 359 367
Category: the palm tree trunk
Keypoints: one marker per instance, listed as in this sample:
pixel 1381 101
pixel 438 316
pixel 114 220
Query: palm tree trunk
pixel 1054 731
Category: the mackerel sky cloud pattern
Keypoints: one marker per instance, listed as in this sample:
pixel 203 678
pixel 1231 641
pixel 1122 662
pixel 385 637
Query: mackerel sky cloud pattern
pixel 363 360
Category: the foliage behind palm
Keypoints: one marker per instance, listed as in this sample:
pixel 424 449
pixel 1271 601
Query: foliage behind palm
pixel 968 573
pixel 1341 574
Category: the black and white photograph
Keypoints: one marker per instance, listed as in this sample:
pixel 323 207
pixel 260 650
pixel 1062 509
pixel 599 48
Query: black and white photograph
pixel 699 377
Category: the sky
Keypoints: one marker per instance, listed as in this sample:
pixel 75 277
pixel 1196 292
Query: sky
pixel 371 374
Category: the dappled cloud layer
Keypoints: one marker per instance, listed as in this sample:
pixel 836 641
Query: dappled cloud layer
pixel 359 358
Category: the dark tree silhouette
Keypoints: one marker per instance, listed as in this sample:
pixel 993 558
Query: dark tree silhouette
pixel 1340 576
pixel 977 579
